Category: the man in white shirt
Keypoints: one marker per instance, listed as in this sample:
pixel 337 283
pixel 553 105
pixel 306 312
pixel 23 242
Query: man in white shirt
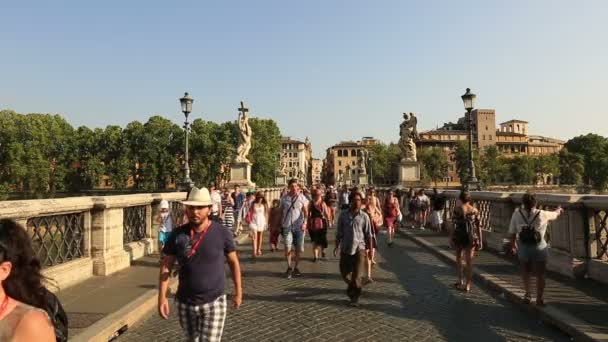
pixel 527 233
pixel 216 207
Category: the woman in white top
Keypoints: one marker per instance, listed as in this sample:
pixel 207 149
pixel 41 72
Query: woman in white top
pixel 258 221
pixel 527 232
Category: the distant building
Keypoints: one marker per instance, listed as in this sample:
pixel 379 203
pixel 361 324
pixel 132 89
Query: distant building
pixel 317 169
pixel 343 161
pixel 297 157
pixel 511 138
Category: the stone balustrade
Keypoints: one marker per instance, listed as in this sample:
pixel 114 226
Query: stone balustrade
pixel 578 239
pixel 79 237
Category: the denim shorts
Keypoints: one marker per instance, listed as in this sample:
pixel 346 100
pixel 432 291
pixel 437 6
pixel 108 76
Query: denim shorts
pixel 293 237
pixel 531 253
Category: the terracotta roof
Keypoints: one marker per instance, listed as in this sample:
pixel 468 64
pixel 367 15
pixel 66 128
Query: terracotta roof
pixel 445 131
pixel 347 144
pixel 514 121
pixel 288 140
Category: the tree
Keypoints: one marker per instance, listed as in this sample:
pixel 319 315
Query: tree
pixel 265 149
pixel 86 165
pixel 547 164
pixel 571 167
pixel 522 169
pixel 593 148
pixel 116 156
pixel 493 167
pixel 434 164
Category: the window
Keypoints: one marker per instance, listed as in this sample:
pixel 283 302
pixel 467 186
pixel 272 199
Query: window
pixel 490 137
pixel 339 153
pixel 486 127
pixel 483 137
pixel 354 163
pixel 290 164
pixel 106 182
pixel 353 153
pixel 339 163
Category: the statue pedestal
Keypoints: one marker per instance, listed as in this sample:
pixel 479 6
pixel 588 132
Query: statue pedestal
pixel 280 180
pixel 409 172
pixel 240 174
pixel 363 179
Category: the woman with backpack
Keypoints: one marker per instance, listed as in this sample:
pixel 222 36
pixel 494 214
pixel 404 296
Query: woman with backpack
pixel 465 238
pixel 257 219
pixel 319 215
pixel 391 213
pixel 527 233
pixel 22 294
pixel 422 208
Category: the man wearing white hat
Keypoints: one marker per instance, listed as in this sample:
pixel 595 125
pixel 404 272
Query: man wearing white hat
pixel 200 247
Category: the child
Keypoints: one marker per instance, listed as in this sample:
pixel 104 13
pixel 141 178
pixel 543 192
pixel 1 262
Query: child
pixel 165 224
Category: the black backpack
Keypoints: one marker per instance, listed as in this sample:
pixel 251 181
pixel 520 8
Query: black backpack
pixel 464 229
pixel 57 316
pixel 528 234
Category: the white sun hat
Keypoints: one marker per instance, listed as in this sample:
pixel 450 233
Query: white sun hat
pixel 198 198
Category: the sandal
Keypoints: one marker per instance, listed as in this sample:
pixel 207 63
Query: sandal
pixel 527 298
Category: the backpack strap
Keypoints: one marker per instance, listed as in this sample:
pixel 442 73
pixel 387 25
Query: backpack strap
pixel 529 223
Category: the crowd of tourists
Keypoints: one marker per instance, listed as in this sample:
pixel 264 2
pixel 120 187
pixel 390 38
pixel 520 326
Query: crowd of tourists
pixel 201 242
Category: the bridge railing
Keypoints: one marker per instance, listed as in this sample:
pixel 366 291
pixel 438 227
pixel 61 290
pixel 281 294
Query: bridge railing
pixel 578 239
pixel 78 237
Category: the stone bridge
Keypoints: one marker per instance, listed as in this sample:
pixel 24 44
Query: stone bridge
pixel 100 252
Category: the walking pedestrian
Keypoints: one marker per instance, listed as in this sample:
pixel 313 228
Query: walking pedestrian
pixel 241 222
pixel 201 248
pixel 319 218
pixel 391 213
pixel 374 209
pixel 228 206
pixel 411 207
pixel 274 225
pixel 438 201
pixel 527 233
pixel 466 238
pixel 294 211
pixel 422 208
pixel 343 199
pixel 216 198
pixel 331 199
pixel 238 198
pixel 22 295
pixel 353 239
pixel 257 218
pixel 165 224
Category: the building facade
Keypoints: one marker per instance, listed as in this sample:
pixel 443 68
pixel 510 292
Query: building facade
pixel 296 157
pixel 316 171
pixel 347 161
pixel 510 138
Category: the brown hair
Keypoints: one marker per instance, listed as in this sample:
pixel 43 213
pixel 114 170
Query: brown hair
pixel 529 200
pixel 465 197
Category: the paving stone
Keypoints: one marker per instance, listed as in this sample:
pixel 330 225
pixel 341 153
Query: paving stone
pixel 411 300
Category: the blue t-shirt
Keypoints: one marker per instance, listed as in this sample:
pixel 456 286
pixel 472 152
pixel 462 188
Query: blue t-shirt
pixel 202 278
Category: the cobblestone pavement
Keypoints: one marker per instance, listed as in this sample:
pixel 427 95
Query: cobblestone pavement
pixel 411 300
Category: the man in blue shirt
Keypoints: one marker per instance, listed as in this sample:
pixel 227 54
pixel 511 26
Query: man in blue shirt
pixel 354 240
pixel 201 247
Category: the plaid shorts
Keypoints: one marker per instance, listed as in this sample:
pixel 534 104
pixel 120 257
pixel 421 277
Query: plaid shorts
pixel 203 323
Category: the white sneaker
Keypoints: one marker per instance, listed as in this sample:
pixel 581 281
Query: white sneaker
pixel 421 227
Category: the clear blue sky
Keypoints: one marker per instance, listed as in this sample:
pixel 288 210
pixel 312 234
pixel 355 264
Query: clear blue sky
pixel 331 70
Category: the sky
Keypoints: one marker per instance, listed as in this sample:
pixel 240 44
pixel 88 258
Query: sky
pixel 329 70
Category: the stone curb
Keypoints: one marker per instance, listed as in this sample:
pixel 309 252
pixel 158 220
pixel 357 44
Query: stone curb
pixel 121 320
pixel 573 326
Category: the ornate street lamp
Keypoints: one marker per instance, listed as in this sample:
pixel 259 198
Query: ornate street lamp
pixel 469 103
pixel 186 103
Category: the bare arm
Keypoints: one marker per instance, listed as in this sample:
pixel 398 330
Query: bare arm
pixel 166 267
pixel 235 268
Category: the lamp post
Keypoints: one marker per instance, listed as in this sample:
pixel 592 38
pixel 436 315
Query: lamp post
pixel 370 159
pixel 186 103
pixel 469 103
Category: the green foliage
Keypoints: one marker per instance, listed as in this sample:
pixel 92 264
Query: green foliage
pixel 434 164
pixel 593 149
pixel 522 169
pixel 41 153
pixel 385 161
pixel 492 166
pixel 265 148
pixel 571 167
